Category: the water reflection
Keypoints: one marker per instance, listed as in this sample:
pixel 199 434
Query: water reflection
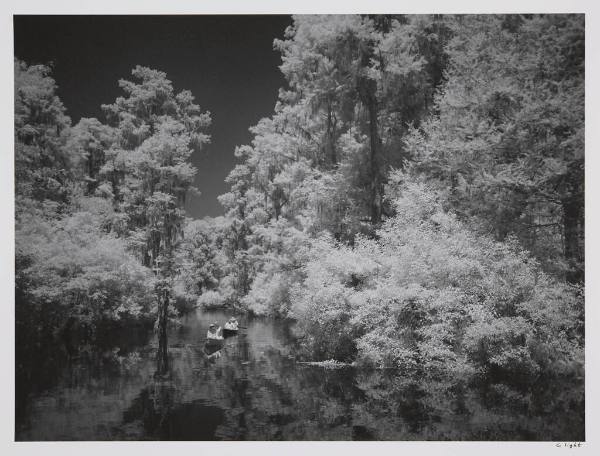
pixel 251 388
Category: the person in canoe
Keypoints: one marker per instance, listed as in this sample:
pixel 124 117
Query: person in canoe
pixel 232 324
pixel 214 332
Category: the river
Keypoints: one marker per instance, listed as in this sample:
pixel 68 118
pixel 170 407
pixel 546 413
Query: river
pixel 255 389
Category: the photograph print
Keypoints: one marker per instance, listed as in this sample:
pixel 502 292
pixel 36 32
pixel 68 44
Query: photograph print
pixel 309 227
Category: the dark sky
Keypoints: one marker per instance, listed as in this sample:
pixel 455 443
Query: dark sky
pixel 227 62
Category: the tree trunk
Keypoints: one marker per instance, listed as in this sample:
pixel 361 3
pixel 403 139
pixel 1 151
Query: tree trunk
pixel 376 193
pixel 162 357
pixel 367 90
pixel 573 238
pixel 331 135
pixel 368 87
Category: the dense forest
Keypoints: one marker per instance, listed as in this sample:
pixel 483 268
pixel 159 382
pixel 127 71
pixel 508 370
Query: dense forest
pixel 415 201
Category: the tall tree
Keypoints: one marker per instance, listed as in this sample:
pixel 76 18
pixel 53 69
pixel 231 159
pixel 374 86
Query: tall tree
pixel 149 173
pixel 508 140
pixel 319 163
pixel 367 77
pixel 42 163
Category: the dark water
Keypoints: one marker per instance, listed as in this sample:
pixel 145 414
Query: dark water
pixel 253 389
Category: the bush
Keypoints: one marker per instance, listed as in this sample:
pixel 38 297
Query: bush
pixel 211 299
pixel 269 295
pixel 79 270
pixel 430 294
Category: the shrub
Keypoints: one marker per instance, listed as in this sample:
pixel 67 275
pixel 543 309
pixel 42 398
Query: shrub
pixel 430 294
pixel 87 273
pixel 211 299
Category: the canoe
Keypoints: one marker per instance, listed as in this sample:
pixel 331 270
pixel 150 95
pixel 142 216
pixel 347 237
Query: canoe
pixel 212 346
pixel 214 341
pixel 229 332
